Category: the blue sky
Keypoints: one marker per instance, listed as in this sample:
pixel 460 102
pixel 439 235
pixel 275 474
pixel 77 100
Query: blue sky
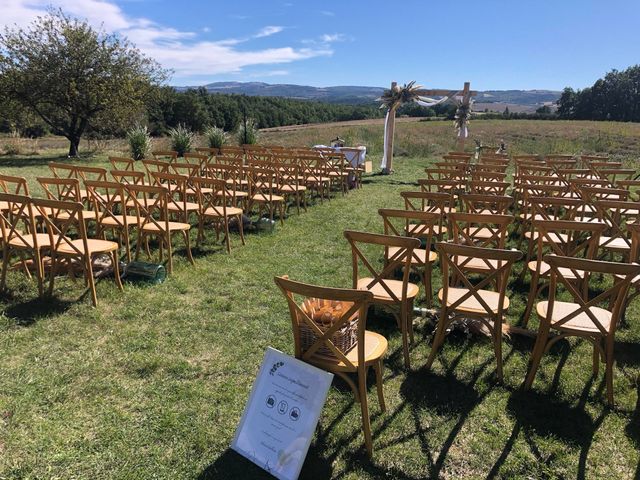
pixel 494 44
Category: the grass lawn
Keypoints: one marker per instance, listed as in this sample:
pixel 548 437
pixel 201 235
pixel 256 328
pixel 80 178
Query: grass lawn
pixel 152 383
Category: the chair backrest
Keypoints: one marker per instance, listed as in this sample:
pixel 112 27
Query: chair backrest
pixel 354 303
pixel 480 230
pixel 612 298
pixel 171 155
pixel 433 202
pixel 150 203
pixel 401 259
pixel 488 187
pixel 60 218
pixel 91 173
pixel 423 225
pixel 122 163
pixel 107 198
pixel 498 268
pixel 567 238
pixel 17 220
pixel 63 170
pixel 155 166
pixel 617 215
pixel 63 189
pixel 127 177
pixel 213 193
pixel 15 185
pixel 478 203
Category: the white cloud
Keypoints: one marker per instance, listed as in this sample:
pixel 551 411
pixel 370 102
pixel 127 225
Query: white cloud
pixel 334 37
pixel 178 50
pixel 327 13
pixel 268 31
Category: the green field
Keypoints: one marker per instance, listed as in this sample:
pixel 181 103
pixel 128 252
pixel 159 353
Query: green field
pixel 152 383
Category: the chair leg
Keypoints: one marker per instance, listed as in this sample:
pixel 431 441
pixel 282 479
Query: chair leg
pixel 241 228
pixel 437 339
pixel 88 272
pixel 497 347
pixel 378 367
pixel 170 253
pixel 609 372
pixel 536 357
pixel 533 290
pixel 366 422
pixel 187 242
pixel 116 270
pixel 404 327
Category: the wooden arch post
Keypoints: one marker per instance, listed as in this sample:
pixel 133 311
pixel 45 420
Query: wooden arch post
pixel 467 93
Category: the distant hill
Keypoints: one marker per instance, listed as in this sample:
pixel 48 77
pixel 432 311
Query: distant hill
pixel 527 99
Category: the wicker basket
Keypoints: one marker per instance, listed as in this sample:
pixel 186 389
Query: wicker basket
pixel 325 313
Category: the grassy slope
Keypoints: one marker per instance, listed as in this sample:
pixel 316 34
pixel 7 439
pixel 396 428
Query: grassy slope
pixel 152 383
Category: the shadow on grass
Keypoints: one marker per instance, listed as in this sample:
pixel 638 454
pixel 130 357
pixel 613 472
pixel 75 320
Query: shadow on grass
pixel 28 312
pixel 38 160
pixel 232 465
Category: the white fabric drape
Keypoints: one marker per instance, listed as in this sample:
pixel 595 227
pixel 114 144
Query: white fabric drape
pixel 383 165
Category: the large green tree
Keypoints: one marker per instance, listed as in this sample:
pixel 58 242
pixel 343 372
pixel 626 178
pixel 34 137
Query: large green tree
pixel 75 77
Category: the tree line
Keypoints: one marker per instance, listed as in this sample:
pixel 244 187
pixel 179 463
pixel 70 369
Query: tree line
pixel 615 97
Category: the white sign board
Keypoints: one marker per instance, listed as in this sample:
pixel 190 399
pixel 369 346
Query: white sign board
pixel 281 415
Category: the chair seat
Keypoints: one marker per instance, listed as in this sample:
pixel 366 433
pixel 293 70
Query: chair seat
pixel 261 197
pixel 183 206
pixel 556 237
pixel 219 212
pixel 379 292
pixel 233 193
pixel 421 253
pixel 86 214
pixel 614 243
pixel 565 272
pixel 471 304
pixel 93 245
pixel 26 241
pixel 473 263
pixel 482 232
pixel 292 188
pixel 581 322
pixel 317 179
pixel 375 346
pixel 118 220
pixel 173 226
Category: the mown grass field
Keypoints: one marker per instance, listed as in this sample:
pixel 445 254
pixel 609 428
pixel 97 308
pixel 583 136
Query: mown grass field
pixel 152 383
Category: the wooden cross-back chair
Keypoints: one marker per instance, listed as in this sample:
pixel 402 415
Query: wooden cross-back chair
pixel 20 237
pixel 634 257
pixel 288 178
pixel 152 166
pixel 398 295
pixel 109 204
pixel 236 180
pixel 484 161
pixel 369 350
pixel 632 186
pixel 482 176
pixel 63 218
pixel 441 186
pixel 65 190
pixel 446 174
pixel 190 171
pixel 232 152
pixel 527 157
pixel 15 185
pixel 482 203
pixel 337 165
pixel 208 151
pixel 433 202
pixel 150 204
pixel 594 318
pixel 422 224
pixel 178 204
pixel 263 192
pixel 198 159
pixel 170 155
pixel 123 163
pixel 217 205
pixel 479 230
pixel 617 215
pixel 316 175
pixel 490 167
pixel 127 177
pixel 473 300
pixel 488 187
pixel 563 238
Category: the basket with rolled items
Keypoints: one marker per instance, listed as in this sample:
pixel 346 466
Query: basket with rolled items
pixel 324 314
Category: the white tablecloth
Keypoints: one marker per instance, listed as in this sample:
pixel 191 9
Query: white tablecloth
pixel 355 155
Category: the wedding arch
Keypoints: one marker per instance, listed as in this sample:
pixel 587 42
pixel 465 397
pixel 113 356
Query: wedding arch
pixel 397 96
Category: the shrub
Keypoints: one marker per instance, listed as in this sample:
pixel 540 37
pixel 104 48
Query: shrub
pixel 139 142
pixel 248 132
pixel 181 139
pixel 216 137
